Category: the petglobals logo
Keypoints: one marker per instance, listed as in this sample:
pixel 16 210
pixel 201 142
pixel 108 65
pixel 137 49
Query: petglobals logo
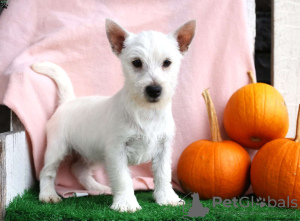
pixel 251 201
pixel 196 209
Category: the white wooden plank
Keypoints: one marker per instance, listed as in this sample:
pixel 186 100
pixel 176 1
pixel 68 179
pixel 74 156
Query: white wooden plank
pixel 2 176
pixel 19 171
pixel 286 51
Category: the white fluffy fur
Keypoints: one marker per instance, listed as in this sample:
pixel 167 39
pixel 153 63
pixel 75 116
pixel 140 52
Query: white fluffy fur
pixel 125 129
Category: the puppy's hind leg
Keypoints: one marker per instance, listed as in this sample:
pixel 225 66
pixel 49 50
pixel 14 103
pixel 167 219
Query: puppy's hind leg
pixel 55 153
pixel 83 170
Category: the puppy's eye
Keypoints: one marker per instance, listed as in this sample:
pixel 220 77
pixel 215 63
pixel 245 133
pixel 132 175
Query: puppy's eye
pixel 166 63
pixel 137 63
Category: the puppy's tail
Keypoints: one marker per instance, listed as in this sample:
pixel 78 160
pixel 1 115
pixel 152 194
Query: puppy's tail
pixel 63 82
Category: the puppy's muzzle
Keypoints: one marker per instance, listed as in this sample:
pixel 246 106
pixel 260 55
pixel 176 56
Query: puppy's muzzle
pixel 153 92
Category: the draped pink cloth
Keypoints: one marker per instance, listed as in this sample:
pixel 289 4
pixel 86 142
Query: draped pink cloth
pixel 72 35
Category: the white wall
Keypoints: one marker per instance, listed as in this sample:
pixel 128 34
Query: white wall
pixel 286 55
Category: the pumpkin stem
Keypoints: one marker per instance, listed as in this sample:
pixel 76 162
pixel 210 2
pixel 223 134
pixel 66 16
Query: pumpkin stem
pixel 297 138
pixel 213 121
pixel 250 74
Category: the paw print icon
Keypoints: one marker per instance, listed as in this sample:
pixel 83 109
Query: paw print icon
pixel 261 202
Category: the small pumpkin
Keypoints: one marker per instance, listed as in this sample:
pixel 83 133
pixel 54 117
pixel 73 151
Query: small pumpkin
pixel 275 170
pixel 214 168
pixel 256 114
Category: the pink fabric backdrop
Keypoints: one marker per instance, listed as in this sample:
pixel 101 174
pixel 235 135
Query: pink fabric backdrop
pixel 72 34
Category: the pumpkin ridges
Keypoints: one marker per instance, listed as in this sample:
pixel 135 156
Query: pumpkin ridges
pixel 260 111
pixel 246 178
pixel 259 164
pixel 241 98
pixel 196 174
pixel 287 185
pixel 199 174
pixel 266 188
pixel 192 171
pixel 214 166
pixel 248 169
pixel 234 117
pixel 297 138
pixel 248 110
pixel 220 171
pixel 297 172
pixel 186 167
pixel 213 146
pixel 265 103
pixel 206 170
pixel 223 182
pixel 247 160
pixel 254 107
pixel 247 122
pixel 232 178
pixel 275 109
pixel 282 169
pixel 281 117
pixel 258 114
pixel 278 158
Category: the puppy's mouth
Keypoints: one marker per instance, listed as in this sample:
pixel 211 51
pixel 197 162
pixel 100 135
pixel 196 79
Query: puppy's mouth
pixel 152 100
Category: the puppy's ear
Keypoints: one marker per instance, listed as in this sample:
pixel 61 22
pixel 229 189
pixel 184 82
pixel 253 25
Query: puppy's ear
pixel 116 36
pixel 184 35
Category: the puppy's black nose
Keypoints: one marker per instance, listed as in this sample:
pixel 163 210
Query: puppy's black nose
pixel 153 91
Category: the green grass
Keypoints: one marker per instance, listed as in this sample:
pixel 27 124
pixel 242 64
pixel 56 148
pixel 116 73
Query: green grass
pixel 28 207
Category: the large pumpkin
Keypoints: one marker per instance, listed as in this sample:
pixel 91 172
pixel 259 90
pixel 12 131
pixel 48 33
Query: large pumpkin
pixel 216 167
pixel 275 171
pixel 256 114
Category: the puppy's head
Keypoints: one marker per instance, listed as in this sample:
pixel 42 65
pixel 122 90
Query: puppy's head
pixel 150 60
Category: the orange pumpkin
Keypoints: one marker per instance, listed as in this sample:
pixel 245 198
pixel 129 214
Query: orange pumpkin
pixel 275 170
pixel 216 167
pixel 256 114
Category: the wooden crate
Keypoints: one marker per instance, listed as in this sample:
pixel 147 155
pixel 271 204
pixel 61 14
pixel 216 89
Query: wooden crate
pixel 16 169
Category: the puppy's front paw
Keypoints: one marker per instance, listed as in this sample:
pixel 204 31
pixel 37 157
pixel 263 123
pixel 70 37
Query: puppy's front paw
pixel 49 198
pixel 164 198
pixel 125 204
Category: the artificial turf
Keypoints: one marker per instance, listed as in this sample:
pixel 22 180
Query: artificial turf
pixel 27 207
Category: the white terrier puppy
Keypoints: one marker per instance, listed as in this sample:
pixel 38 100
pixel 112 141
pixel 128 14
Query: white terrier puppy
pixel 132 127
